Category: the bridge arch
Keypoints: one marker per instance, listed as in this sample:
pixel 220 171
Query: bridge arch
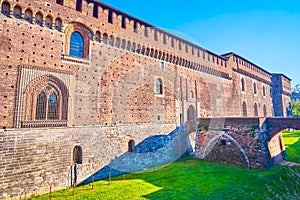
pixel 231 139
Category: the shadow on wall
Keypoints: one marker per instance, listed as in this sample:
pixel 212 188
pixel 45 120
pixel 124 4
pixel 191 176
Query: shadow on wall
pixel 153 151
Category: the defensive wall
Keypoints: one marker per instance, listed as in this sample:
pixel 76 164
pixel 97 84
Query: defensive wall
pixel 81 80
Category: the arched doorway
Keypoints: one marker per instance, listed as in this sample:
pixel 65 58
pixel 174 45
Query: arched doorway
pixel 131 145
pixel 191 113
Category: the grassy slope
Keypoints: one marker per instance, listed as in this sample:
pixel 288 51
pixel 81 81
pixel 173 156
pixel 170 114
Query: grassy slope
pixel 187 179
pixel 292 145
pixel 190 179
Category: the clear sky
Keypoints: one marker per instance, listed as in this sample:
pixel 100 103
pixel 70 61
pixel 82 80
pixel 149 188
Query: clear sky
pixel 265 32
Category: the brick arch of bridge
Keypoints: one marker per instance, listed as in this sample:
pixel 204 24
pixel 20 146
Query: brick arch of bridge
pixel 275 125
pixel 222 134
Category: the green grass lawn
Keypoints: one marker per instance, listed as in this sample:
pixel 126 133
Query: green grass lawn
pixel 186 179
pixel 292 145
pixel 198 179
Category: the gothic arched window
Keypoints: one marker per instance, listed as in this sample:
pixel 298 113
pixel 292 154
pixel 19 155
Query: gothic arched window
pixel 52 106
pixel 46 103
pixel 76 45
pixel 41 104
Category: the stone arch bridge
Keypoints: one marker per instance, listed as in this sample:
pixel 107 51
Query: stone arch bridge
pixel 248 142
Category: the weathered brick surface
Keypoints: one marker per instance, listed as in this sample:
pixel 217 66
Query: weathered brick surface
pixel 111 91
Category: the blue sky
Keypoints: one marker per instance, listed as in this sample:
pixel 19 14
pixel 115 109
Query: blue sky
pixel 264 32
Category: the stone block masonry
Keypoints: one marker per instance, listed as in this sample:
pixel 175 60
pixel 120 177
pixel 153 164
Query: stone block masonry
pixel 33 160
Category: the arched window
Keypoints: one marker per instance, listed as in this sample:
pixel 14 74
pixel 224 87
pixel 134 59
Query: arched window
pixel 111 40
pixel 105 38
pixel 243 84
pixel 45 103
pixel 118 42
pixel 158 86
pixel 39 19
pixel 76 45
pixel 133 49
pixel 49 21
pixel 5 9
pixel 77 155
pixel 61 2
pixel 58 24
pixel 265 110
pixel 97 36
pixel 131 145
pixel 244 108
pixel 28 15
pixel 254 88
pixel 123 45
pixel 17 12
pixel 52 106
pixel 41 104
pixel 255 110
pixel 128 47
pixel 264 91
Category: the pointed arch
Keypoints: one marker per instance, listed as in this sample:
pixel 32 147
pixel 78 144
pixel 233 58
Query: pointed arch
pixel 46 98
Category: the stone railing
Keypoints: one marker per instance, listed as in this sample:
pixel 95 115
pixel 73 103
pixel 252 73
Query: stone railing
pixel 43 123
pixel 75 60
